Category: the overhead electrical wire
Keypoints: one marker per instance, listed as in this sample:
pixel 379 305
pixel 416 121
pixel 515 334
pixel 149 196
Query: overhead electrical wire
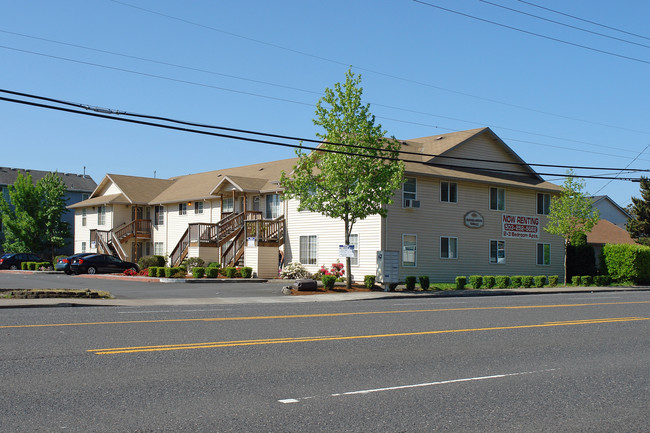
pixel 111 114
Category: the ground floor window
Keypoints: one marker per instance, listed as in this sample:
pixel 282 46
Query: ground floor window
pixel 409 250
pixel 158 249
pixel 83 247
pixel 497 252
pixel 308 249
pixel 354 240
pixel 448 248
pixel 544 254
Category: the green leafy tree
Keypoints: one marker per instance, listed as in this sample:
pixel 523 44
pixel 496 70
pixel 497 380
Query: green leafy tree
pixel 32 215
pixel 639 226
pixel 343 186
pixel 571 214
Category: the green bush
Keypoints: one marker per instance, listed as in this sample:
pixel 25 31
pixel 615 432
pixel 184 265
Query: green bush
pixel 294 271
pixel 460 283
pixel 502 281
pixel 24 266
pixel 44 265
pixel 214 265
pixel 552 280
pixel 162 272
pixel 152 271
pixel 540 280
pixel 230 272
pixel 586 280
pixel 192 262
pixel 246 272
pixel 488 281
pixel 198 272
pixel 424 282
pixel 212 272
pixel 527 281
pixel 410 282
pixel 32 266
pixel 175 272
pixel 602 280
pixel 476 281
pixel 515 281
pixel 626 263
pixel 575 280
pixel 369 281
pixel 328 281
pixel 146 262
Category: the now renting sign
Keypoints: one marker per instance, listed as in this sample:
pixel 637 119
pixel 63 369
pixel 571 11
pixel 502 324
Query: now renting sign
pixel 520 226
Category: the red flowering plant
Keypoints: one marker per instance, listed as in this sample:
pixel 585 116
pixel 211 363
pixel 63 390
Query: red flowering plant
pixel 130 273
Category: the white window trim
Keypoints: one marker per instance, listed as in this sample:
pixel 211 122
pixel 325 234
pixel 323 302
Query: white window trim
pixel 197 205
pixel 449 183
pixel 490 199
pixel 503 262
pixel 415 263
pixel 356 249
pixel 309 250
pixel 84 217
pixel 537 203
pixel 537 254
pixel 415 193
pixel 182 209
pixel 448 249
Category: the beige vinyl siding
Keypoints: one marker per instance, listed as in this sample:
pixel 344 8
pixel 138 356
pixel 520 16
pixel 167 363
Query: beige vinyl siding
pixel 111 189
pixel 435 219
pixel 177 224
pixel 483 147
pixel 331 233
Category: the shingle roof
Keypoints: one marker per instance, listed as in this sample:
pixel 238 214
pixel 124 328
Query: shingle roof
pixel 73 182
pixel 604 232
pixel 100 200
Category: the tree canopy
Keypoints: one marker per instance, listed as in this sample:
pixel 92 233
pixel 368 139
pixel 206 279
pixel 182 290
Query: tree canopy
pixel 639 226
pixel 357 182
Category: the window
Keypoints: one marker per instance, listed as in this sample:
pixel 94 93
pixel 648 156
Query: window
pixel 182 208
pixel 101 215
pixel 544 254
pixel 198 207
pixel 543 204
pixel 449 192
pixel 409 250
pixel 83 247
pixel 308 249
pixel 354 240
pixel 158 249
pixel 448 248
pixel 227 205
pixel 497 198
pixel 498 252
pixel 409 191
pixel 85 196
pixel 158 215
pixel 272 206
pixel 83 217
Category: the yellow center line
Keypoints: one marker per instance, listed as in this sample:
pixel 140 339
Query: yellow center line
pixel 303 316
pixel 216 344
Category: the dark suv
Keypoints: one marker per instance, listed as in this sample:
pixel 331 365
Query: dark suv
pixel 15 260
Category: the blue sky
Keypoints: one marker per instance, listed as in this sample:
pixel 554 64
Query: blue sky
pixel 262 65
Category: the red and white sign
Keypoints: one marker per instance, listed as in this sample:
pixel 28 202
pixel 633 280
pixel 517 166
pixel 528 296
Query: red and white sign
pixel 520 227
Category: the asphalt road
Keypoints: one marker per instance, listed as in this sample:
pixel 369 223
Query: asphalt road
pixel 575 362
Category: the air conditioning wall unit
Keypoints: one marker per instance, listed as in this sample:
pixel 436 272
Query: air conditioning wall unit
pixel 409 203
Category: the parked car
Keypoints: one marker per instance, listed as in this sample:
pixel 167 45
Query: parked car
pixel 63 263
pixel 15 260
pixel 100 264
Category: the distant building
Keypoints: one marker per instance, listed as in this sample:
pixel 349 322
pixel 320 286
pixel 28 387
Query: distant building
pixel 609 210
pixel 78 188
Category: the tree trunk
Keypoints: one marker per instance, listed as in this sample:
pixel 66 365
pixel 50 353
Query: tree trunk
pixel 348 273
pixel 566 248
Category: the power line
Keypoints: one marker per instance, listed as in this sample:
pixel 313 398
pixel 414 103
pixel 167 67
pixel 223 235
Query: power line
pixel 631 162
pixel 104 114
pixel 564 24
pixel 584 20
pixel 562 41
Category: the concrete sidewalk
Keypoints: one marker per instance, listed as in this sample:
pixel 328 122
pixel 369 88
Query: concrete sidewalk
pixel 325 297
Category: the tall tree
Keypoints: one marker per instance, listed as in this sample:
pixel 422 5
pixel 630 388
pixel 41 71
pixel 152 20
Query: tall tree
pixel 54 230
pixel 571 214
pixel 639 226
pixel 343 186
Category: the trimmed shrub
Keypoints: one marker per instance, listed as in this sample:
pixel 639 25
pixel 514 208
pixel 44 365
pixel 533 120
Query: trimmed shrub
pixel 328 281
pixel 175 272
pixel 527 281
pixel 515 281
pixel 540 280
pixel 626 263
pixel 294 271
pixel 476 281
pixel 602 280
pixel 149 261
pixel 161 272
pixel 424 282
pixel 230 272
pixel 488 281
pixel 460 283
pixel 501 281
pixel 152 271
pixel 32 266
pixel 369 281
pixel 575 280
pixel 214 265
pixel 198 272
pixel 410 282
pixel 211 272
pixel 586 280
pixel 552 280
pixel 24 266
pixel 246 272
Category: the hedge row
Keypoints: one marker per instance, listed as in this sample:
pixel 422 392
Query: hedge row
pixel 162 272
pixel 200 272
pixel 626 263
pixel 34 266
pixel 505 281
pixel 588 280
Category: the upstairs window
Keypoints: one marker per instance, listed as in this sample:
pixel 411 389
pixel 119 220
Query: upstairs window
pixel 272 206
pixel 84 213
pixel 182 208
pixel 198 207
pixel 497 198
pixel 227 205
pixel 449 192
pixel 543 204
pixel 101 215
pixel 409 193
pixel 158 215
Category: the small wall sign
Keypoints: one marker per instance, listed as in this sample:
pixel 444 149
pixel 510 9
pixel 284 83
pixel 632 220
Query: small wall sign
pixel 473 220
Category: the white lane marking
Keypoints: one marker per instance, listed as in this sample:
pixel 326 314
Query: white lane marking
pixel 418 385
